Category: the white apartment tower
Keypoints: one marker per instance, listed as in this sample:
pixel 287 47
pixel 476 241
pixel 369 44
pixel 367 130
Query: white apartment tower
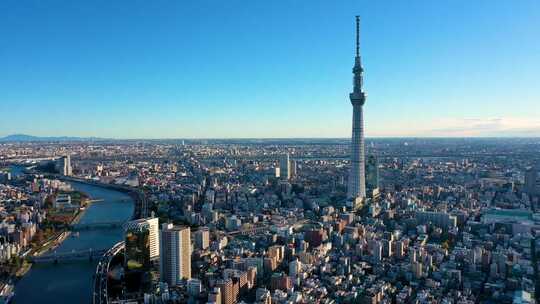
pixel 175 261
pixel 357 175
pixel 154 237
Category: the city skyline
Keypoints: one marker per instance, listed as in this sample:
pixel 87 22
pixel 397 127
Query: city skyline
pixel 218 152
pixel 246 70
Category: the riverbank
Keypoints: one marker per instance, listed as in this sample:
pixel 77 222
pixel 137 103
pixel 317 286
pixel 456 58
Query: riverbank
pixel 55 241
pixel 52 243
pixel 26 266
pixel 141 207
pixel 72 282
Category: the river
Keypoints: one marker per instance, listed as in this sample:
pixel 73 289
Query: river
pixel 72 282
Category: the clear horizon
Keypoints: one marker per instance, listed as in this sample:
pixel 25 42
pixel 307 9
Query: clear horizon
pixel 206 70
pixel 276 138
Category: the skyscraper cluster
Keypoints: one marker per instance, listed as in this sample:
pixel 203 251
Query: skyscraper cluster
pixel 146 246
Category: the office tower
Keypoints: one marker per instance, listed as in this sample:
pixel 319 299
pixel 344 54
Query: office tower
pixel 141 240
pixel 152 225
pixel 175 254
pixel 63 165
pixel 294 168
pixel 202 238
pixel 137 256
pixel 531 177
pixel 357 178
pixel 372 173
pixel 285 167
pixel 67 165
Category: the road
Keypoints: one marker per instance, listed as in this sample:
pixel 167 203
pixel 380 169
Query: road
pixel 100 293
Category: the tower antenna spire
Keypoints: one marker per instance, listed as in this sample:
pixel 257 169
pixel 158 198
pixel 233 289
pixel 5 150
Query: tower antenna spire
pixel 357 36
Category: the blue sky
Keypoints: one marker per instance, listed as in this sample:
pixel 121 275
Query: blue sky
pixel 253 68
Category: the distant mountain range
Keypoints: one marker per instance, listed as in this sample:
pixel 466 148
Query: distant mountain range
pixel 30 138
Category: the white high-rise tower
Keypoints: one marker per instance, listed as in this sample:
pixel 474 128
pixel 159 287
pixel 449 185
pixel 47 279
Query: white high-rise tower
pixel 357 175
pixel 175 257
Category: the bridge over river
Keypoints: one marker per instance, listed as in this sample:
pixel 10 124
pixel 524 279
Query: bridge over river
pixel 75 255
pixel 95 226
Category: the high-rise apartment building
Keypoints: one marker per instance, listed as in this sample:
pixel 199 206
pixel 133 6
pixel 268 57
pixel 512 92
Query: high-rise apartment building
pixel 357 177
pixel 175 258
pixel 227 291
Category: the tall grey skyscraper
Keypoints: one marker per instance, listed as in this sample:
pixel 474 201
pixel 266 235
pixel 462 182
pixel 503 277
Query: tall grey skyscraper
pixel 357 175
pixel 175 254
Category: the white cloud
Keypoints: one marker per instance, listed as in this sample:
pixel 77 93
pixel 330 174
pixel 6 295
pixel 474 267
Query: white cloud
pixel 498 126
pixel 465 127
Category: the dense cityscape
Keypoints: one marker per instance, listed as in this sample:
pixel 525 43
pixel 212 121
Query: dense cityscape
pixel 359 220
pixel 281 221
pixel 448 221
